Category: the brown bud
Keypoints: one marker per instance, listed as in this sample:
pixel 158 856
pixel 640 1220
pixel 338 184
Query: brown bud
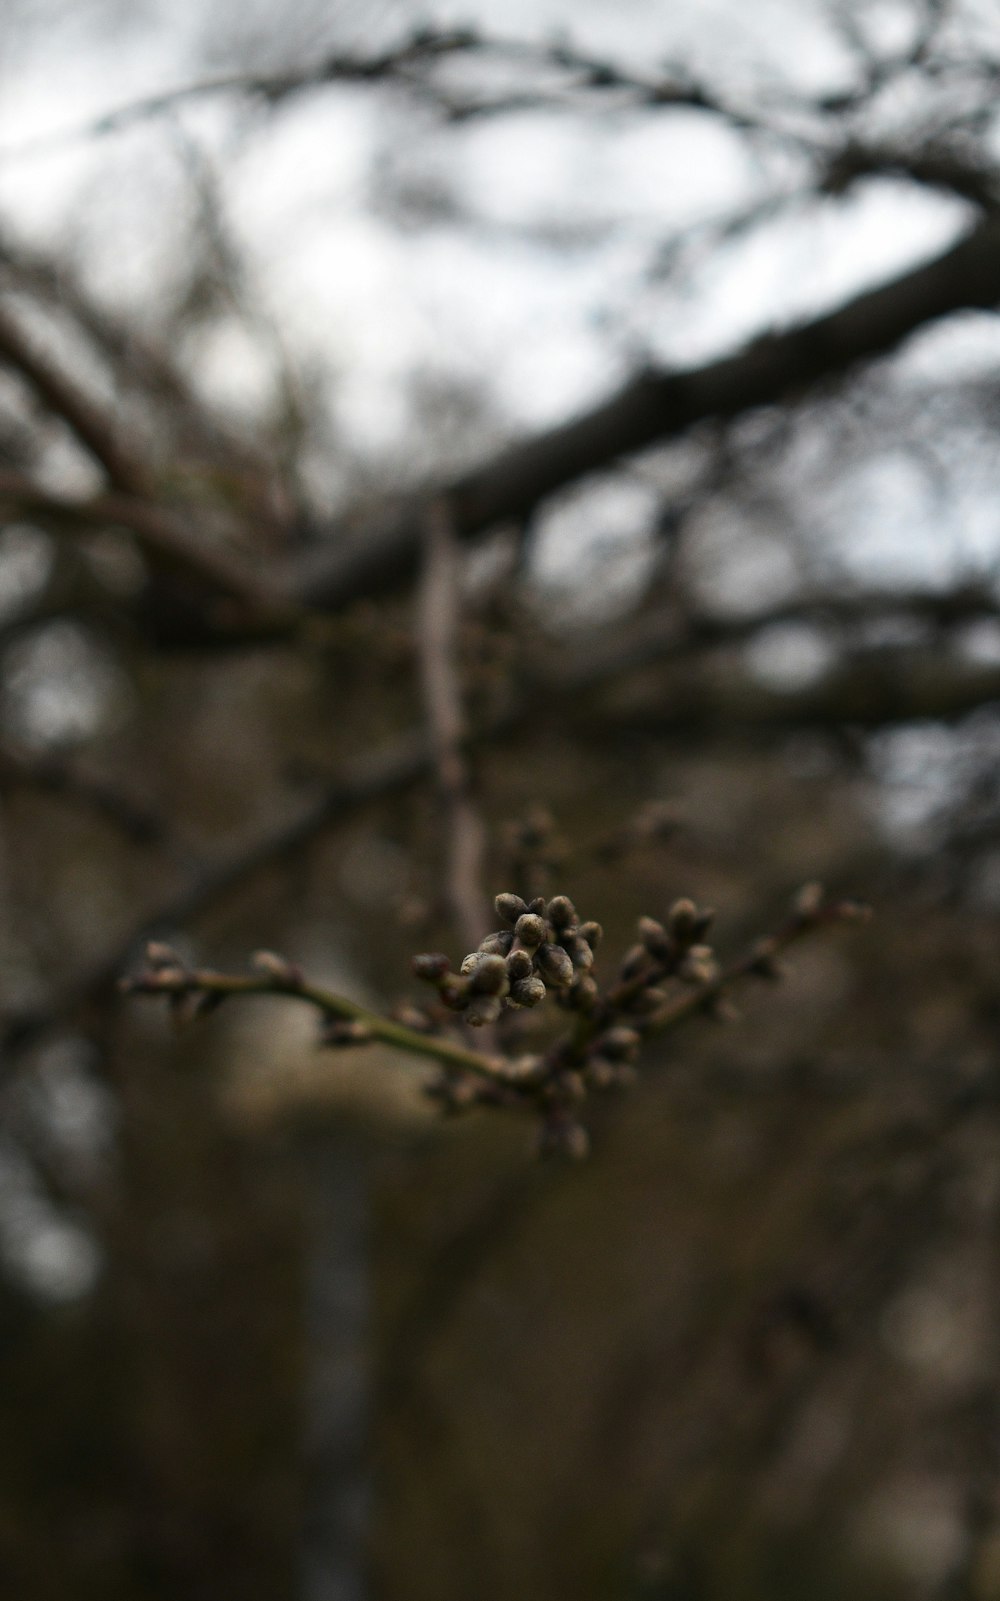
pixel 554 965
pixel 634 960
pixel 518 965
pixel 699 965
pixel 276 967
pixel 431 966
pixel 564 1137
pixel 592 932
pixel 469 963
pixel 682 920
pixel 571 1086
pixel 560 911
pixel 648 1000
pixel 584 992
pixel 530 930
pixel 483 1009
pixel 619 1044
pixel 454 992
pixel 412 1017
pixel 528 991
pixel 604 1075
pixel 510 907
pixel 496 944
pixel 582 955
pixel 654 937
pixel 345 1031
pixel 808 901
pixel 489 976
pixel 160 955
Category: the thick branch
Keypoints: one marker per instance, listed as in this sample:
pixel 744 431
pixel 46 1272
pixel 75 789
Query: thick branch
pixel 657 406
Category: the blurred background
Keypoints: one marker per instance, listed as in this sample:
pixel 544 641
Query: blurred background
pixel 686 316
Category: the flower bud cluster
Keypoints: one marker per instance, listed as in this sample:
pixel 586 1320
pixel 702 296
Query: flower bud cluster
pixel 543 947
pixel 670 950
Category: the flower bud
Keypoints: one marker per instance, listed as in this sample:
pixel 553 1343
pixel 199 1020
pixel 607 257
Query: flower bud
pixel 700 967
pixel 431 966
pixel 592 932
pixel 619 1044
pixel 554 965
pixel 276 967
pixel 489 976
pixel 528 991
pixel 483 1009
pixel 519 965
pixel 808 901
pixel 682 919
pixel 497 944
pixel 582 956
pixel 564 1137
pixel 584 992
pixel 634 960
pixel 160 955
pixel 345 1031
pixel 530 930
pixel 469 963
pixel 654 937
pixel 560 911
pixel 648 1000
pixel 510 907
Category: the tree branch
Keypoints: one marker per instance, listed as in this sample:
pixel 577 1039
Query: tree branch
pixel 463 832
pixel 656 406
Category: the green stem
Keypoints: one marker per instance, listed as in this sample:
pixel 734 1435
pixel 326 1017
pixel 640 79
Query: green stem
pixel 447 1052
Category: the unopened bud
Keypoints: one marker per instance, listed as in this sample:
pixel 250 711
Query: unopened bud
pixel 345 1031
pixel 555 965
pixel 560 911
pixel 654 937
pixel 699 965
pixel 634 960
pixel 528 991
pixel 619 1044
pixel 682 920
pixel 648 1000
pixel 581 954
pixel 518 965
pixel 584 992
pixel 564 1137
pixel 276 967
pixel 592 932
pixel 530 930
pixel 763 963
pixel 489 976
pixel 808 900
pixel 431 966
pixel 496 944
pixel 510 907
pixel 483 1009
pixel 160 955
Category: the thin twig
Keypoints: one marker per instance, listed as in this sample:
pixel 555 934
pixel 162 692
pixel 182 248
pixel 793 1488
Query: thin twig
pixel 180 983
pixel 464 835
pixel 78 411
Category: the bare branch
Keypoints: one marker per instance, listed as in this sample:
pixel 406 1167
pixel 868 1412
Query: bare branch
pixel 166 538
pixel 463 829
pixel 78 411
pixel 656 406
